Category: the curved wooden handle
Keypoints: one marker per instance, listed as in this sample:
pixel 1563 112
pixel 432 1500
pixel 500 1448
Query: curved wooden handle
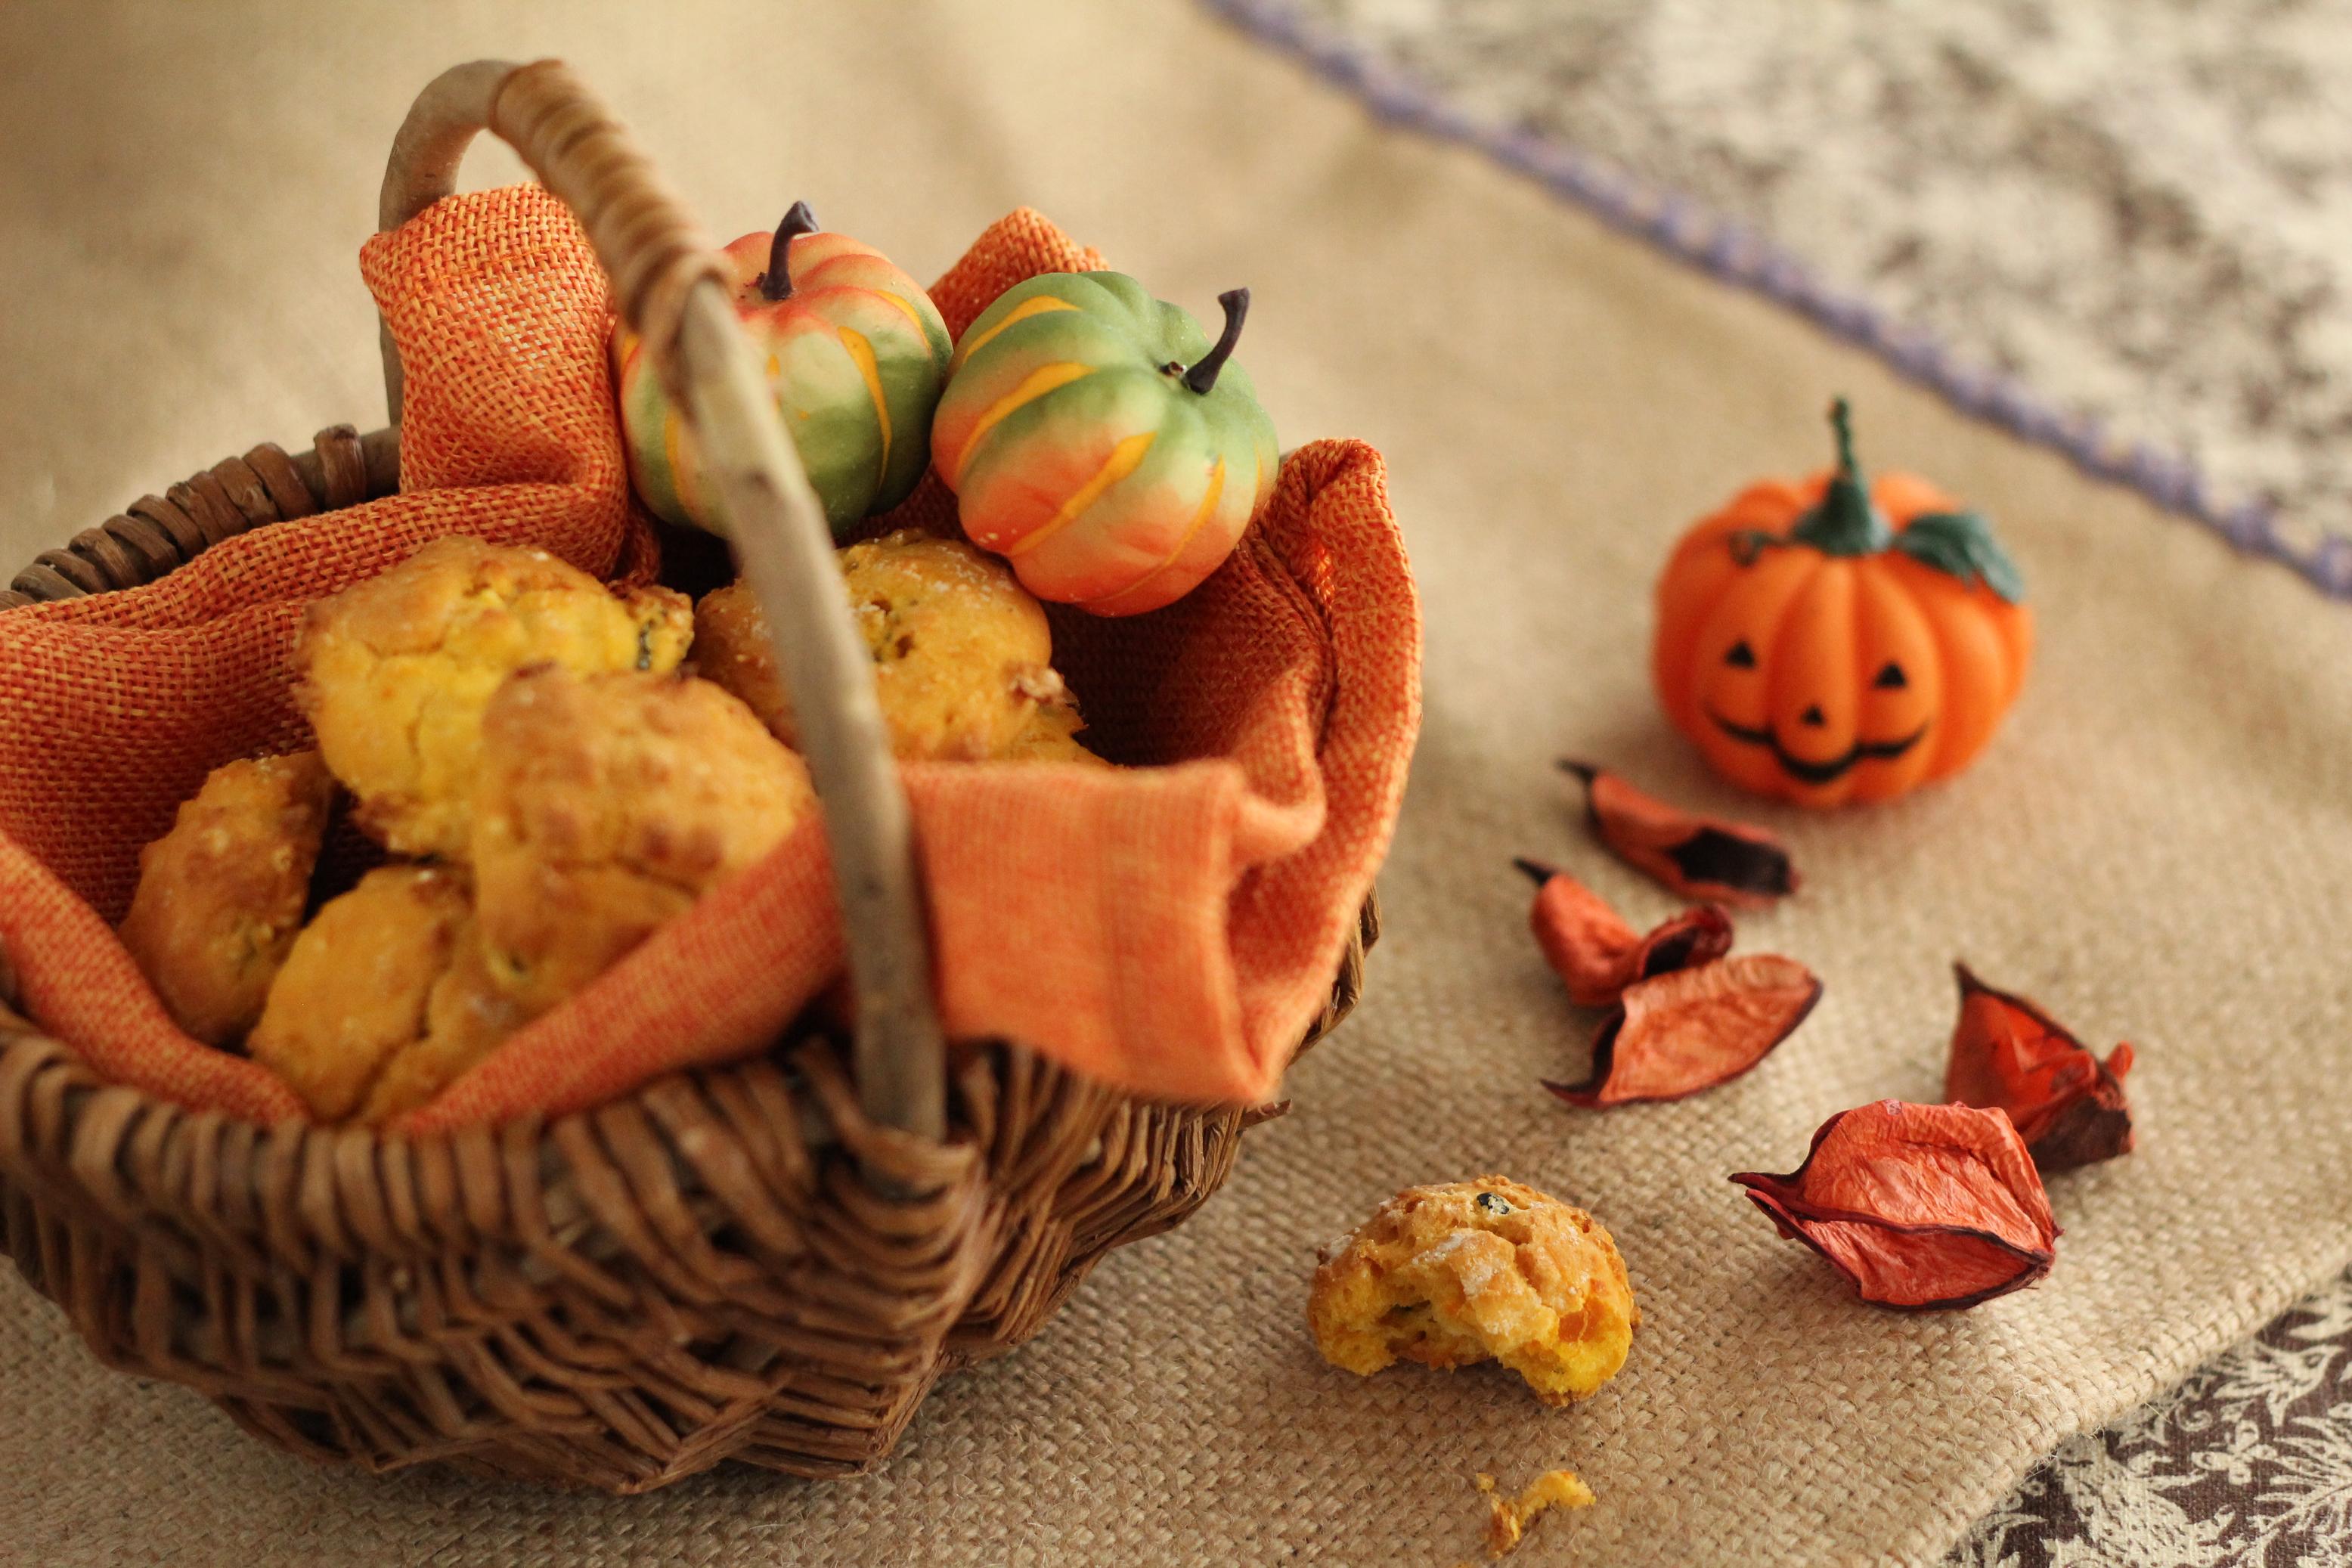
pixel 669 281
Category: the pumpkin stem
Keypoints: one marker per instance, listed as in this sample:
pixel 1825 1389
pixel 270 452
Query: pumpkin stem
pixel 776 283
pixel 1203 373
pixel 1841 424
pixel 1845 523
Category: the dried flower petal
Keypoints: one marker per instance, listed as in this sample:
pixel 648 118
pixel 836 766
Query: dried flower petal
pixel 1696 857
pixel 1919 1206
pixel 1695 1028
pixel 1597 953
pixel 2009 1054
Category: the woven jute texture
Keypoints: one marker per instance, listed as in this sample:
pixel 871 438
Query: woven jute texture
pixel 2156 847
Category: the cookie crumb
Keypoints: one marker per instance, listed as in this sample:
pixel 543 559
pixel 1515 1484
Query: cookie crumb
pixel 1510 1516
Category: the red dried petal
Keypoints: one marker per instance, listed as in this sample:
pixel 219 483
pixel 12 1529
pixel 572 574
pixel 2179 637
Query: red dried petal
pixel 1597 953
pixel 1695 857
pixel 1691 940
pixel 1921 1206
pixel 1695 1028
pixel 2009 1054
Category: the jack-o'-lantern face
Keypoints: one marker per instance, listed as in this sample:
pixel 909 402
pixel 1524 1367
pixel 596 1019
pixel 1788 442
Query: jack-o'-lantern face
pixel 1819 651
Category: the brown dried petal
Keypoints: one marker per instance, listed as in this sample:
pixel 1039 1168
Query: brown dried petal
pixel 1597 953
pixel 1696 857
pixel 1695 1028
pixel 2009 1054
pixel 1920 1207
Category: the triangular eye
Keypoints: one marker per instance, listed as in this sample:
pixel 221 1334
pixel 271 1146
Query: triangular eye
pixel 1891 677
pixel 1741 656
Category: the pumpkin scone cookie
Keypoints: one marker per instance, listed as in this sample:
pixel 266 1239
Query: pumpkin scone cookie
pixel 221 895
pixel 1473 1271
pixel 396 671
pixel 356 992
pixel 606 806
pixel 962 656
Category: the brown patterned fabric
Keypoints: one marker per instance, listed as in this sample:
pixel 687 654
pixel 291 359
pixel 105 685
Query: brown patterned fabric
pixel 2249 1461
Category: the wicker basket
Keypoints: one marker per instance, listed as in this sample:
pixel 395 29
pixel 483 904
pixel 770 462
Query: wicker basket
pixel 770 1262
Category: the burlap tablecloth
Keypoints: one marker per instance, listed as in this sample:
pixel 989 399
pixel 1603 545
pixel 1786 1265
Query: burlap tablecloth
pixel 2157 848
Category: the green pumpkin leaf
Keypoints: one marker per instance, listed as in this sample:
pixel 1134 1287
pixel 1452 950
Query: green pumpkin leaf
pixel 1961 544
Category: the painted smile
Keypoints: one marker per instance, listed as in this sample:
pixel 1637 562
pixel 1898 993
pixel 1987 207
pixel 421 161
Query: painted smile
pixel 1818 772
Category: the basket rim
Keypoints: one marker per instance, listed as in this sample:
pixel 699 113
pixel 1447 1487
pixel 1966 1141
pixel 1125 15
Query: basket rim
pixel 46 1088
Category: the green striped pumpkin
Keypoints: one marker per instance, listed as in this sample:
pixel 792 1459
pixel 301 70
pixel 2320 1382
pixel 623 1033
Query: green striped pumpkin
pixel 855 353
pixel 1098 440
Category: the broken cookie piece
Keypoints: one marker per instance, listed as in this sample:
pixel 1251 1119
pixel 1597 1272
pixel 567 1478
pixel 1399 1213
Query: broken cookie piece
pixel 1507 1522
pixel 1472 1272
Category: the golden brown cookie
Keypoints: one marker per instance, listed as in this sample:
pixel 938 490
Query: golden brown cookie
pixel 397 671
pixel 1470 1271
pixel 962 656
pixel 732 651
pixel 221 895
pixel 467 1016
pixel 354 992
pixel 607 804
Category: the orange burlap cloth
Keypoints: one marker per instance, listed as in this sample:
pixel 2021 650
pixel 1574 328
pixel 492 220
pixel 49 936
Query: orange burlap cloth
pixel 1170 928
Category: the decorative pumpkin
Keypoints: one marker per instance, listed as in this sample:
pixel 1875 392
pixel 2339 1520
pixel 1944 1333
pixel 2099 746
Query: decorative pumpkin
pixel 1833 641
pixel 855 352
pixel 1096 440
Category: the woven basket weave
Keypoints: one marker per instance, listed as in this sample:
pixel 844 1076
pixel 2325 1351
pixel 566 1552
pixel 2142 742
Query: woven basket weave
pixel 769 1262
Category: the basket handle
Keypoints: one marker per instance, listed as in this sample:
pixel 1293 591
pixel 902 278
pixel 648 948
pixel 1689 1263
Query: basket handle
pixel 669 282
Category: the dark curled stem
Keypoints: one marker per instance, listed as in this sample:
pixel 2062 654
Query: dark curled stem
pixel 776 283
pixel 1203 374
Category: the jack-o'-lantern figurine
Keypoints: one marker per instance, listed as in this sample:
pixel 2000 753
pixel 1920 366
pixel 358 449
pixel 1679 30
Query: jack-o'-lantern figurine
pixel 1831 640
